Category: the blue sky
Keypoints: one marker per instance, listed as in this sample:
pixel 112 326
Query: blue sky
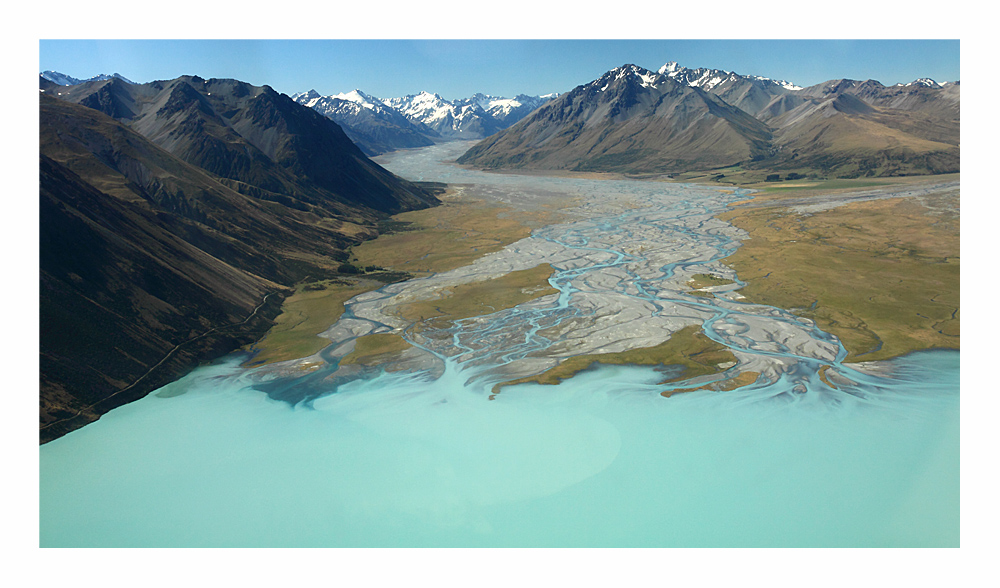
pixel 459 68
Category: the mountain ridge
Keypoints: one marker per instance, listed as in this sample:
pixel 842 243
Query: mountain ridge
pixel 171 233
pixel 630 119
pixel 374 127
pixel 840 128
pixel 62 79
pixel 253 136
pixel 379 125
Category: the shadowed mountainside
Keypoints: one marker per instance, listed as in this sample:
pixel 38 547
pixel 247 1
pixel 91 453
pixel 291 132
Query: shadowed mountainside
pixel 150 263
pixel 264 143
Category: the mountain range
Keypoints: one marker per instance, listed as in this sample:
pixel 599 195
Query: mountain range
pixel 379 125
pixel 175 215
pixel 373 126
pixel 60 79
pixel 676 120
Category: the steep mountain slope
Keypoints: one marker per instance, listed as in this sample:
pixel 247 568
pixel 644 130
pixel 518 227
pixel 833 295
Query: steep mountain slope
pixel 748 93
pixel 118 293
pixel 373 126
pixel 678 119
pixel 847 128
pixel 262 141
pixel 923 95
pixel 61 79
pixel 923 108
pixel 150 264
pixel 631 120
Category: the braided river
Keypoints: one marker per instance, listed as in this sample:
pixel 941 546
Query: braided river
pixel 814 453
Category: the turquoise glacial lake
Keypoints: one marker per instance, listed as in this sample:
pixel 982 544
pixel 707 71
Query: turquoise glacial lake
pixel 600 460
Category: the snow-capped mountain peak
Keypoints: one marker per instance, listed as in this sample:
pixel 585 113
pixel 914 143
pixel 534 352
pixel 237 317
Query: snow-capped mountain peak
pixel 65 80
pixel 503 105
pixel 359 97
pixel 700 78
pixel 669 68
pixel 425 107
pixel 306 97
pixel 926 82
pixel 477 116
pixel 646 78
pixel 708 79
pixel 782 83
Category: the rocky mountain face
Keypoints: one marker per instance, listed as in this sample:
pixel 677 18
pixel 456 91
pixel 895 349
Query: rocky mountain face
pixel 748 93
pixel 925 97
pixel 678 119
pixel 64 80
pixel 850 128
pixel 375 125
pixel 261 141
pixel 174 217
pixel 630 119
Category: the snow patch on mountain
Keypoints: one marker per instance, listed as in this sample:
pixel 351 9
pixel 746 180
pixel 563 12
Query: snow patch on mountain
pixel 65 80
pixel 708 79
pixel 476 116
pixel 425 107
pixel 926 82
pixel 359 97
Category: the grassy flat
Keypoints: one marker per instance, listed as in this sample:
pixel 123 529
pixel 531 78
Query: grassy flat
pixel 739 380
pixel 757 180
pixel 375 349
pixel 689 348
pixel 479 298
pixel 304 315
pixel 432 240
pixel 883 275
pixel 699 282
pixel 462 301
pixel 800 188
pixel 449 236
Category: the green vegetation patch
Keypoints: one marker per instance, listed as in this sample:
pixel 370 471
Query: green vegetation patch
pixel 738 381
pixel 823 378
pixel 798 189
pixel 883 276
pixel 432 240
pixel 701 281
pixel 304 315
pixel 689 347
pixel 448 236
pixel 375 349
pixel 479 298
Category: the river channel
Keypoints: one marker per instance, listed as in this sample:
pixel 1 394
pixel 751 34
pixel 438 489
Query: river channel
pixel 815 452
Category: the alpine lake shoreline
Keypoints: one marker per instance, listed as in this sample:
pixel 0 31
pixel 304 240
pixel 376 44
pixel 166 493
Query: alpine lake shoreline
pixel 382 412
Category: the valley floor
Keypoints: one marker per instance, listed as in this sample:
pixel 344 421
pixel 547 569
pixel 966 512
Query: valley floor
pixel 875 263
pixel 878 268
